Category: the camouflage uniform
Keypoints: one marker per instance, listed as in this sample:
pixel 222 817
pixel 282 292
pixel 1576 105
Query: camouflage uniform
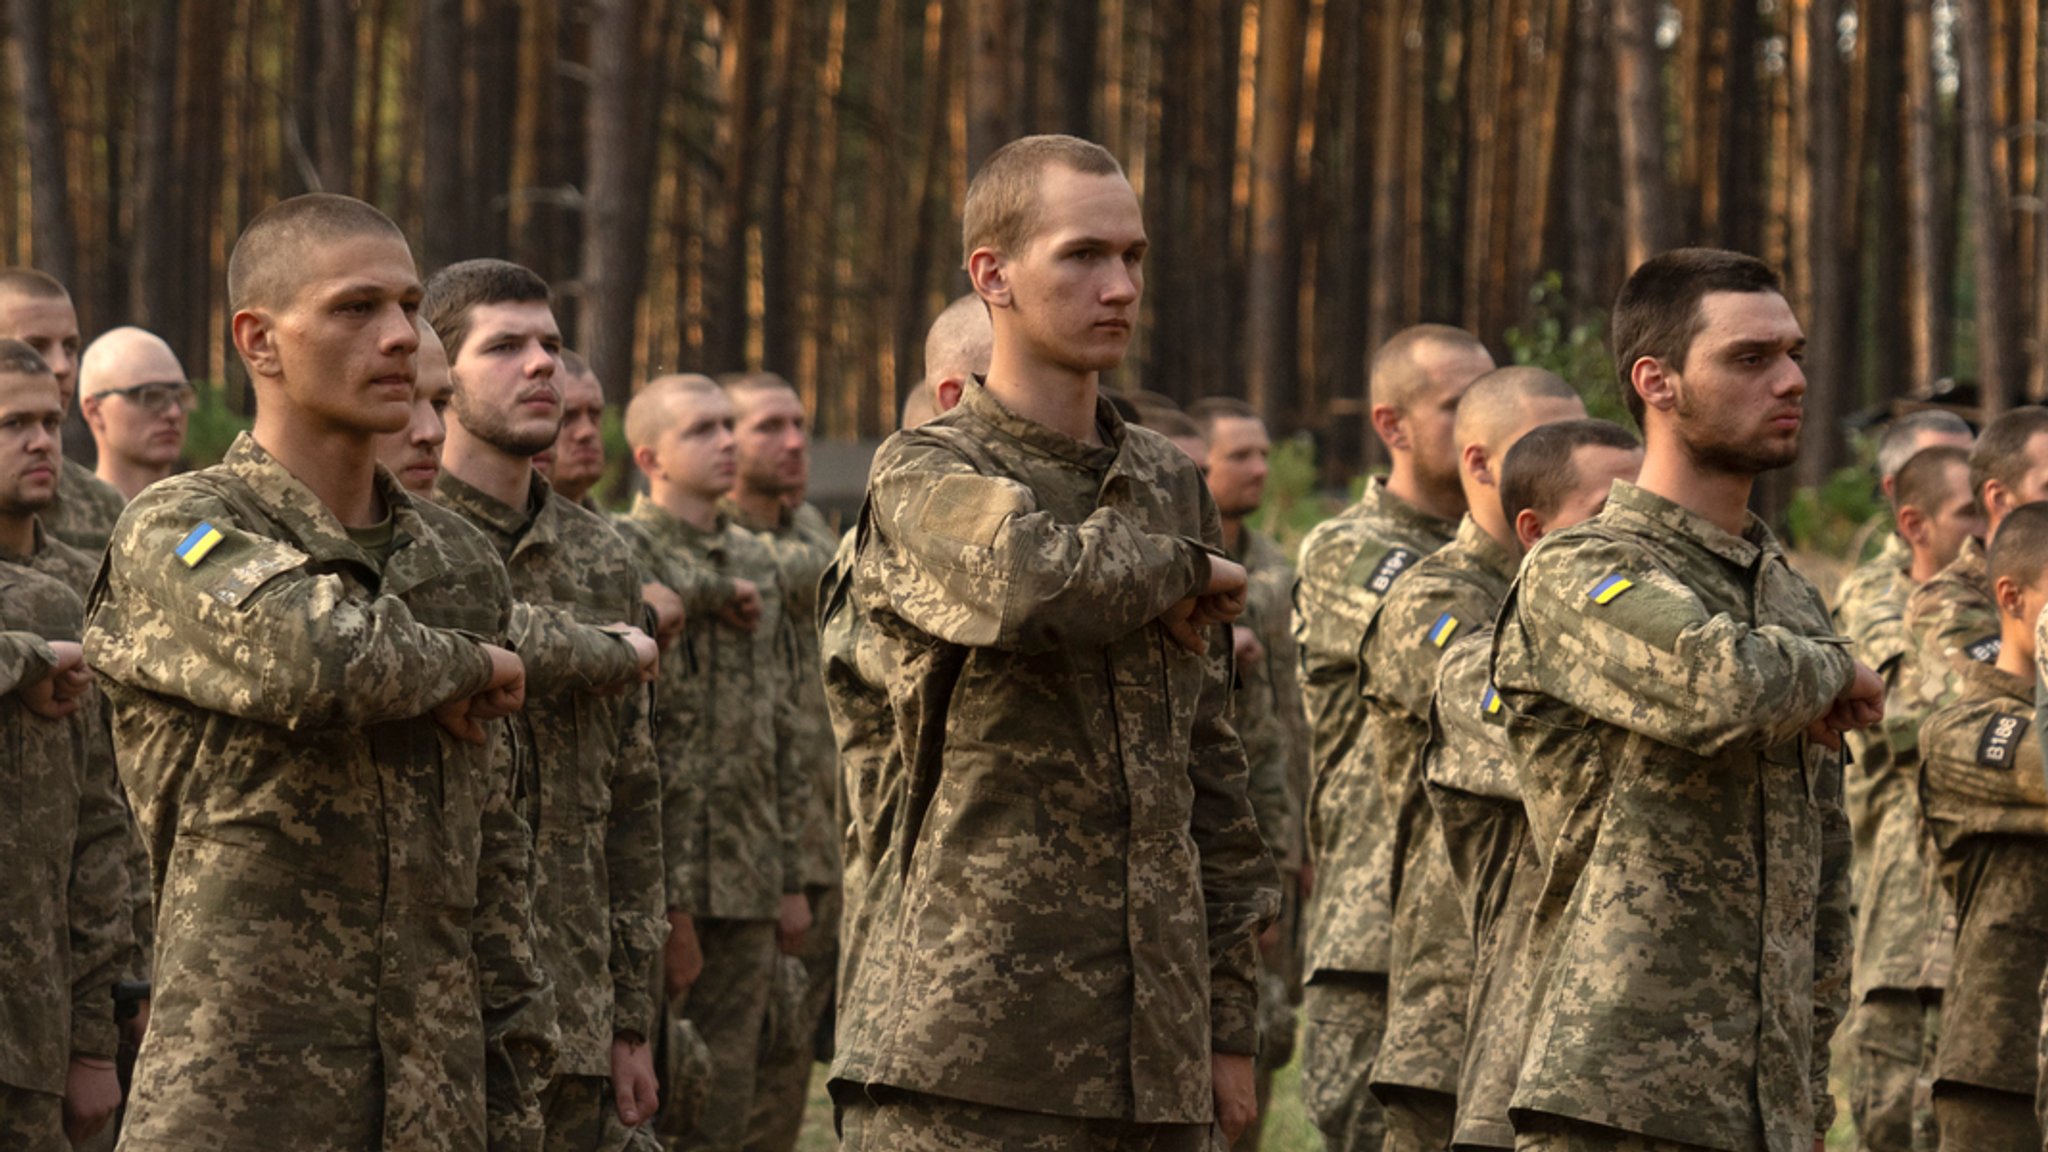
pixel 1695 920
pixel 85 508
pixel 344 946
pixel 1348 564
pixel 597 809
pixel 1987 803
pixel 1470 775
pixel 1080 880
pixel 803 545
pixel 1953 623
pixel 735 797
pixel 65 905
pixel 870 767
pixel 1903 918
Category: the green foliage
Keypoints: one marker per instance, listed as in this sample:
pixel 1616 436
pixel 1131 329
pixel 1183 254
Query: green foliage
pixel 1832 518
pixel 212 426
pixel 1571 344
pixel 1293 504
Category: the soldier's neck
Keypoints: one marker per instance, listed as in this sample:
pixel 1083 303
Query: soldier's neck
pixel 1405 482
pixel 1925 566
pixel 18 535
pixel 1059 398
pixel 1719 497
pixel 760 507
pixel 1233 535
pixel 338 465
pixel 492 471
pixel 697 509
pixel 128 476
pixel 2016 649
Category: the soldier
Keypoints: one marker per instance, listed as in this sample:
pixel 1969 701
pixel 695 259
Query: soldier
pixel 1458 587
pixel 735 795
pixel 1068 958
pixel 575 463
pixel 597 833
pixel 135 400
pixel 1556 476
pixel 1348 563
pixel 36 310
pixel 955 352
pixel 301 661
pixel 1951 617
pixel 772 450
pixel 413 453
pixel 1903 918
pixel 1676 701
pixel 1987 804
pixel 68 923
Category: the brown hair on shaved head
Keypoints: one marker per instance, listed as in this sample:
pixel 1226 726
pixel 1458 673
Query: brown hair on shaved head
pixel 1539 472
pixel 1923 480
pixel 1658 313
pixel 1492 406
pixel 1398 372
pixel 736 382
pixel 264 268
pixel 1001 213
pixel 2019 551
pixel 648 415
pixel 960 342
pixel 455 291
pixel 32 283
pixel 18 359
pixel 1209 410
pixel 574 364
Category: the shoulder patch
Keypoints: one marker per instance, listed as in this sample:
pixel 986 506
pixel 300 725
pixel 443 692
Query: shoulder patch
pixel 198 544
pixel 1609 588
pixel 1396 561
pixel 1489 705
pixel 1984 651
pixel 1999 746
pixel 1446 626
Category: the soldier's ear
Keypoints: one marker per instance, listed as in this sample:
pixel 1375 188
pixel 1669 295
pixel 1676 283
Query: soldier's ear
pixel 255 333
pixel 1912 524
pixel 1389 422
pixel 989 271
pixel 1528 528
pixel 644 458
pixel 1657 386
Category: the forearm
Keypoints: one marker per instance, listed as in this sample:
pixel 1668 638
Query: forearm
pixel 633 863
pixel 563 655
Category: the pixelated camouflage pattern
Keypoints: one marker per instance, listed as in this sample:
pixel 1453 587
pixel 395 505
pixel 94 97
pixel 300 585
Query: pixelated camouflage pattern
pixel 25 658
pixel 597 826
pixel 1694 921
pixel 1080 879
pixel 84 509
pixel 344 945
pixel 1948 617
pixel 1268 709
pixel 1987 803
pixel 65 908
pixel 1472 784
pixel 855 659
pixel 735 794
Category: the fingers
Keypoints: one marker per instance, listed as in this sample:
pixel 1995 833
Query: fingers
pixel 1184 633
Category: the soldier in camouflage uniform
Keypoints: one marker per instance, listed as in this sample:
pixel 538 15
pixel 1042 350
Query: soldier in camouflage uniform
pixel 772 451
pixel 1556 476
pixel 413 453
pixel 1457 588
pixel 736 796
pixel 1676 699
pixel 597 814
pixel 1903 918
pixel 1348 564
pixel 302 661
pixel 69 926
pixel 1987 804
pixel 1068 957
pixel 575 462
pixel 137 404
pixel 36 310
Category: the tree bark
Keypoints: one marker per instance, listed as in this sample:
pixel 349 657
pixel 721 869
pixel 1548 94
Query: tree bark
pixel 153 295
pixel 335 120
pixel 992 36
pixel 1078 42
pixel 493 58
pixel 1990 229
pixel 1823 258
pixel 1272 302
pixel 1639 92
pixel 615 219
pixel 54 244
pixel 725 343
pixel 445 171
pixel 1926 355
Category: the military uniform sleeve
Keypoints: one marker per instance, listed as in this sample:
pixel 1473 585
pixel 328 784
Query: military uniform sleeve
pixel 701 589
pixel 1833 943
pixel 972 560
pixel 25 659
pixel 251 631
pixel 792 777
pixel 135 853
pixel 633 866
pixel 101 925
pixel 1951 633
pixel 1630 645
pixel 563 655
pixel 518 1000
pixel 1398 653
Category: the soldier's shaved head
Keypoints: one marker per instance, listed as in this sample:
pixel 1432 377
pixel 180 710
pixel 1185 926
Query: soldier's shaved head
pixel 124 356
pixel 31 283
pixel 959 343
pixel 18 359
pixel 652 410
pixel 1540 472
pixel 1001 212
pixel 1928 475
pixel 1497 404
pixel 2019 552
pixel 1908 434
pixel 267 267
pixel 1410 360
pixel 2002 454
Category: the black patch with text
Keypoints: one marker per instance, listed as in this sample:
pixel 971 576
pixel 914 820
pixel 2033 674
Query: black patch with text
pixel 1984 651
pixel 1999 746
pixel 1391 566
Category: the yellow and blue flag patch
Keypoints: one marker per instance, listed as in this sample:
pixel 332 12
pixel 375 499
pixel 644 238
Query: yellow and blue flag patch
pixel 1446 626
pixel 198 543
pixel 1490 703
pixel 1606 590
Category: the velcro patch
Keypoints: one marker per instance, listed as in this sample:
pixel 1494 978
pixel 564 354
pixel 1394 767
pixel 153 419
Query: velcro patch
pixel 1395 562
pixel 1489 705
pixel 1999 746
pixel 1984 651
pixel 197 544
pixel 1606 590
pixel 1440 633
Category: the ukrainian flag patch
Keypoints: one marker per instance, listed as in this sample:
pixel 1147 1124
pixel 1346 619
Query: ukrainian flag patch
pixel 1606 590
pixel 198 544
pixel 1490 703
pixel 1446 626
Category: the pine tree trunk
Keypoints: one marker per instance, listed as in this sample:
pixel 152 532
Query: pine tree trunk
pixel 55 249
pixel 1271 304
pixel 1640 95
pixel 1991 233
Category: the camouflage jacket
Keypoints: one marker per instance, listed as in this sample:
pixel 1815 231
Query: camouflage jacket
pixel 1904 918
pixel 803 546
pixel 1954 624
pixel 1081 880
pixel 735 795
pixel 344 937
pixel 1269 716
pixel 65 908
pixel 84 510
pixel 1470 775
pixel 1694 921
pixel 855 674
pixel 597 811
pixel 1348 565
pixel 1429 955
pixel 1987 803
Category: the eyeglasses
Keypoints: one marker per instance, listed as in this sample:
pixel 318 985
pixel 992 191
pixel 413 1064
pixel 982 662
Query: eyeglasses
pixel 158 397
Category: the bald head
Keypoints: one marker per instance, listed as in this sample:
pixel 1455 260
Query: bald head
pixel 36 310
pixel 1498 405
pixel 1416 357
pixel 269 265
pixel 125 357
pixel 959 342
pixel 653 410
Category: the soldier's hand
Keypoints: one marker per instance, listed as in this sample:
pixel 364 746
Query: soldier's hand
pixel 1245 646
pixel 506 692
pixel 792 921
pixel 743 611
pixel 58 695
pixel 1179 622
pixel 1860 705
pixel 92 1091
pixel 682 961
pixel 648 652
pixel 668 613
pixel 1237 1098
pixel 1222 600
pixel 634 1090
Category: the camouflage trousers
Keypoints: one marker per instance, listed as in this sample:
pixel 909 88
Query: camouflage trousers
pixel 582 1115
pixel 1277 1022
pixel 1343 1018
pixel 880 1119
pixel 727 1006
pixel 1985 1120
pixel 1557 1134
pixel 1892 1098
pixel 1418 1120
pixel 31 1121
pixel 785 1078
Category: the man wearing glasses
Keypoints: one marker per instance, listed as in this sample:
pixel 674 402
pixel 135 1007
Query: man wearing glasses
pixel 135 399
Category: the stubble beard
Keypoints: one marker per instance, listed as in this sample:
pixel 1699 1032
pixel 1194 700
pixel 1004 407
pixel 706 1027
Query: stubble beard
pixel 493 428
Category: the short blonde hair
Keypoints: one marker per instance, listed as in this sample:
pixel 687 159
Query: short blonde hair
pixel 1001 212
pixel 652 412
